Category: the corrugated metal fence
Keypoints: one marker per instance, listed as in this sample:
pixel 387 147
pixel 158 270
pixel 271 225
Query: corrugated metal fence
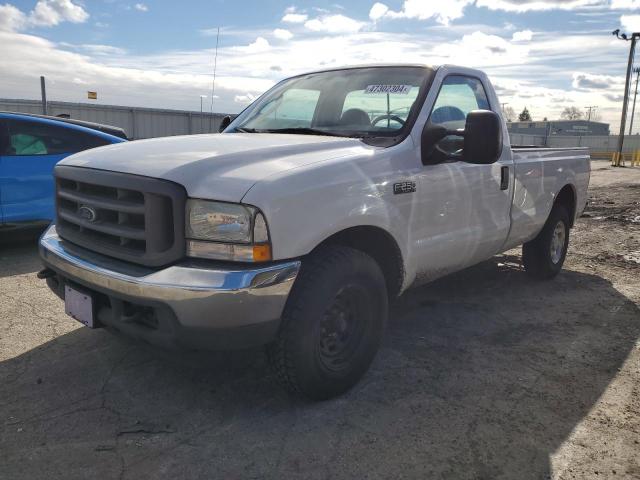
pixel 136 121
pixel 602 144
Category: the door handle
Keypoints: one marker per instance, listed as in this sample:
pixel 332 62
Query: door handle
pixel 504 178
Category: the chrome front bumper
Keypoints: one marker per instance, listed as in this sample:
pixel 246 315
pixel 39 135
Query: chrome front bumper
pixel 199 301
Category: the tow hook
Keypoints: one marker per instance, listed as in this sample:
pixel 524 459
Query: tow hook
pixel 46 273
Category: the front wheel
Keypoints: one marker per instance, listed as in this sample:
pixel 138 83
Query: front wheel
pixel 544 256
pixel 332 324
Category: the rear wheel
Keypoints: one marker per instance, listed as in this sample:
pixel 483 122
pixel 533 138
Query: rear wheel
pixel 332 324
pixel 544 256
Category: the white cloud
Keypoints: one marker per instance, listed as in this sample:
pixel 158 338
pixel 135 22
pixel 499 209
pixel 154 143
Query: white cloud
pixel 46 13
pixel 443 11
pixel 295 18
pixel 282 34
pixel 624 4
pixel 95 49
pixel 11 18
pixel 141 7
pixel 520 6
pixel 52 12
pixel 448 10
pixel 260 44
pixel 630 23
pixel 480 50
pixel 378 11
pixel 522 36
pixel 334 24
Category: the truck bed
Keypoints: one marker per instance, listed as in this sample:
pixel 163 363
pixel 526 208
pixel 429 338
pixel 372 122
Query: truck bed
pixel 540 173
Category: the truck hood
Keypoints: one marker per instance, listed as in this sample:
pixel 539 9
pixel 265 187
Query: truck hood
pixel 217 167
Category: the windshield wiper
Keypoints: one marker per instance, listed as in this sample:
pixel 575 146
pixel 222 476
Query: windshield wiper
pixel 303 131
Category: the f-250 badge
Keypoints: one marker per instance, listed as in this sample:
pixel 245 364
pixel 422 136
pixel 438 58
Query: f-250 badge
pixel 404 187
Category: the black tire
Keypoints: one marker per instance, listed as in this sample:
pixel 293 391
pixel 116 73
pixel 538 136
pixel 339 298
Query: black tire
pixel 332 324
pixel 539 261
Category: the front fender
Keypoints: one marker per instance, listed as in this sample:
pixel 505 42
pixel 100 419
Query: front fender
pixel 306 206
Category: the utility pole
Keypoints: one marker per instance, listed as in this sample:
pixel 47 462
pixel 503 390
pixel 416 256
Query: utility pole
pixel 591 109
pixel 633 110
pixel 43 93
pixel 633 38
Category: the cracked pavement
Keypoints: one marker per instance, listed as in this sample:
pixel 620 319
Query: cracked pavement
pixel 485 374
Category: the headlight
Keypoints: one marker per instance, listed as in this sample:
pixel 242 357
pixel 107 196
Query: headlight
pixel 226 231
pixel 220 222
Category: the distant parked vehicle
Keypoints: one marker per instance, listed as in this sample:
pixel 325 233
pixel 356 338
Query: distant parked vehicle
pixel 30 146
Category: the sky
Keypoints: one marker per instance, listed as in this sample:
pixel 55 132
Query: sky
pixel 541 54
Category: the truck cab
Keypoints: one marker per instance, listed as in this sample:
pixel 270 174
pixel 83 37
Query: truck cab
pixel 329 196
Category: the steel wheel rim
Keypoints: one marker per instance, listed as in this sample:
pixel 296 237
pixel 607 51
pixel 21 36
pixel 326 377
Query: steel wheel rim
pixel 557 242
pixel 342 329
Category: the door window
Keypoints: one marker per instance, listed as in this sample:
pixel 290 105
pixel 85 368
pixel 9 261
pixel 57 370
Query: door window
pixel 458 96
pixel 35 138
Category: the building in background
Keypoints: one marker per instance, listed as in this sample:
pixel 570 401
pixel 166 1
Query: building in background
pixel 564 128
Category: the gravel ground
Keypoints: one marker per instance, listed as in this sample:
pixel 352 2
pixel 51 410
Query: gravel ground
pixel 485 374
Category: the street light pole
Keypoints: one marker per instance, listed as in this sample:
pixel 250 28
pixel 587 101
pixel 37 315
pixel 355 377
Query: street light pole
pixel 633 110
pixel 633 38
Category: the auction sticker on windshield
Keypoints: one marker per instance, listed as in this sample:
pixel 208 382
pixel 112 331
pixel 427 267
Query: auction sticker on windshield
pixel 396 89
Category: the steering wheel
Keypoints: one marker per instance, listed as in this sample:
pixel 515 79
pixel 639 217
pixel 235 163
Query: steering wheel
pixel 395 118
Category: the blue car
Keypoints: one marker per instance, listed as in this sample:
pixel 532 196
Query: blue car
pixel 30 146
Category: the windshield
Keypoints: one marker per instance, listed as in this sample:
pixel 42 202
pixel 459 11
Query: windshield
pixel 359 102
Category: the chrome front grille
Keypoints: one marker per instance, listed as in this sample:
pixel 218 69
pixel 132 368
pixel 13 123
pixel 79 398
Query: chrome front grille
pixel 130 217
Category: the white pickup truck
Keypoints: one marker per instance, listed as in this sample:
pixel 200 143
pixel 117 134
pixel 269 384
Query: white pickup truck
pixel 331 194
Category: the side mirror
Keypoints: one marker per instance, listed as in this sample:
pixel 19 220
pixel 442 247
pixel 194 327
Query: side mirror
pixel 482 140
pixel 482 137
pixel 224 123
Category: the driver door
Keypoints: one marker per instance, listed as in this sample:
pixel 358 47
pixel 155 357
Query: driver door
pixel 465 210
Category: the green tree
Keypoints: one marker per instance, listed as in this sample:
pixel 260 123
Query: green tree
pixel 525 116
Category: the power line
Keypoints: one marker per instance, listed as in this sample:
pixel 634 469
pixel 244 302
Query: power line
pixel 591 108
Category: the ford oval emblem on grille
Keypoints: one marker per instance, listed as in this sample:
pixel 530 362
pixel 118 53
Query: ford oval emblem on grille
pixel 88 213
